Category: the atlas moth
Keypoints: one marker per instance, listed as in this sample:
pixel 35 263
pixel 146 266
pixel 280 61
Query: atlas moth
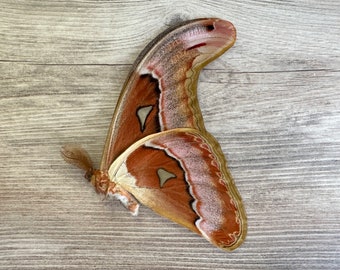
pixel 158 152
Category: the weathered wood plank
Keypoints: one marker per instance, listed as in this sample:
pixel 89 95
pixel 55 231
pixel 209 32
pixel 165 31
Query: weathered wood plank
pixel 272 101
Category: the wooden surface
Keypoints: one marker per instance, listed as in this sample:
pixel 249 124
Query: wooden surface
pixel 272 101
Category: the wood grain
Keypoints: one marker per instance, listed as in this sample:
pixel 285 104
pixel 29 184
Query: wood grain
pixel 272 101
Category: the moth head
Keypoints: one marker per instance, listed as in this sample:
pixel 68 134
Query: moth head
pixel 78 156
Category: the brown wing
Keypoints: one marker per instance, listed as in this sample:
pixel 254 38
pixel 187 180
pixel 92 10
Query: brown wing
pixel 181 174
pixel 160 92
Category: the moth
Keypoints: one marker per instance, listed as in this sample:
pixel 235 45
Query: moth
pixel 158 152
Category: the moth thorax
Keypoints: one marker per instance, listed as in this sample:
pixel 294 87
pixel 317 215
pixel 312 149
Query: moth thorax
pixel 100 181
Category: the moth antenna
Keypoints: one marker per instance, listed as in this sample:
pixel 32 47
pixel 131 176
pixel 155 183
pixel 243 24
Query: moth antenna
pixel 78 156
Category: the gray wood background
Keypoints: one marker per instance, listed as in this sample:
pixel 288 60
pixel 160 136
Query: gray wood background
pixel 272 101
